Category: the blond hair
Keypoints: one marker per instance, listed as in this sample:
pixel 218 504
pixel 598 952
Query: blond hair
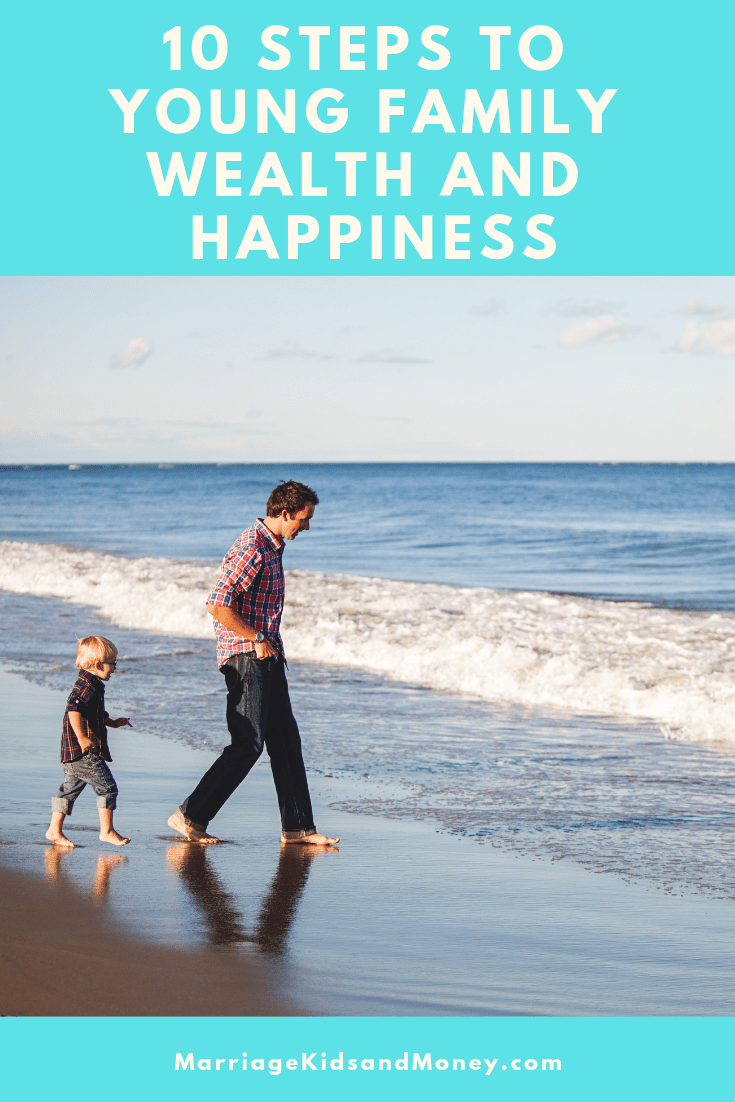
pixel 93 649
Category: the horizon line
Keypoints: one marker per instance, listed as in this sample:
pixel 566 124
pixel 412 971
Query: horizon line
pixel 172 464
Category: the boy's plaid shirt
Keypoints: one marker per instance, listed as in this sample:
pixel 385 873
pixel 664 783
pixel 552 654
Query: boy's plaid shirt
pixel 251 583
pixel 88 699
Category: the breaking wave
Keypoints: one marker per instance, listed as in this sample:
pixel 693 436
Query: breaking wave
pixel 623 659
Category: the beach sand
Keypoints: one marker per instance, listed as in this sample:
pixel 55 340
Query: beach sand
pixel 400 919
pixel 61 954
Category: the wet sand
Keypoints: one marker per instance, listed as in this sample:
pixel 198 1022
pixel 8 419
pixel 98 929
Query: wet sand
pixel 401 919
pixel 60 953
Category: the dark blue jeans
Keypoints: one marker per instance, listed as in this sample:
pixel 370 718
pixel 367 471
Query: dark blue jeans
pixel 258 714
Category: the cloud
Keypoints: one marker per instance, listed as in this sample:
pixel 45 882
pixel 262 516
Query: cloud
pixel 488 309
pixel 123 440
pixel 135 352
pixel 388 357
pixel 694 306
pixel 603 328
pixel 295 351
pixel 19 446
pixel 121 428
pixel 575 309
pixel 714 338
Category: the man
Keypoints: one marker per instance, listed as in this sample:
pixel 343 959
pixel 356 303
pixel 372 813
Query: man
pixel 246 604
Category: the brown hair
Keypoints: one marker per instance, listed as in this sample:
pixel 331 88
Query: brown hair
pixel 291 496
pixel 93 649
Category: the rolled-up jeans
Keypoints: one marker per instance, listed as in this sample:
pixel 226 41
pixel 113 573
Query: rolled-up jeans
pixel 89 770
pixel 258 714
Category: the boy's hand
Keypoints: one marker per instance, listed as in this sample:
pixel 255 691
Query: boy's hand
pixel 85 743
pixel 122 722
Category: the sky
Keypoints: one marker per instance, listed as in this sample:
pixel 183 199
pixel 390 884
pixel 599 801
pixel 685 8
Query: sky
pixel 243 369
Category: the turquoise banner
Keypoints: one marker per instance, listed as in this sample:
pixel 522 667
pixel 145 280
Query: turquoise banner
pixel 334 1058
pixel 547 137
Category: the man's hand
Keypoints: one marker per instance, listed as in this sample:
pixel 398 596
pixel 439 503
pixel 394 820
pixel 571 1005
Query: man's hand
pixel 122 722
pixel 85 743
pixel 234 622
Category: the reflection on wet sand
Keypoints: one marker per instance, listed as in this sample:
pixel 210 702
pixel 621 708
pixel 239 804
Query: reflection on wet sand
pixel 54 857
pixel 224 921
pixel 106 862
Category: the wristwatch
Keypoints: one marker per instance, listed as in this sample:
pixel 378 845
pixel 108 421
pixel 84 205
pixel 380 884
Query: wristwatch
pixel 259 638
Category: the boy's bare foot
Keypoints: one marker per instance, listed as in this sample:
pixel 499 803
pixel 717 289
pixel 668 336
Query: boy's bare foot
pixel 311 840
pixel 59 838
pixel 178 822
pixel 114 838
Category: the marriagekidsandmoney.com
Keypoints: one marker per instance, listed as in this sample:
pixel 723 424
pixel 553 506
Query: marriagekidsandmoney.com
pixel 325 1061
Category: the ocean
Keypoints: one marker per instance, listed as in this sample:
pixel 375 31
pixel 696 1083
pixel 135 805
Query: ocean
pixel 535 656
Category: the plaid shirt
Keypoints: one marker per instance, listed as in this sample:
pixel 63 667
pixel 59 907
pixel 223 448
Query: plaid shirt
pixel 87 698
pixel 251 583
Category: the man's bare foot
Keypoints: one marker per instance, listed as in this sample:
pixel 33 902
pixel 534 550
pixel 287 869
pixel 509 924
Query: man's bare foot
pixel 59 838
pixel 114 838
pixel 179 823
pixel 311 840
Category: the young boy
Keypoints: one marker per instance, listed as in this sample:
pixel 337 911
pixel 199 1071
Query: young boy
pixel 84 749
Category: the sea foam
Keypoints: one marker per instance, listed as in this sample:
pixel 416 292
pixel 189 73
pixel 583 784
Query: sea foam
pixel 621 659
